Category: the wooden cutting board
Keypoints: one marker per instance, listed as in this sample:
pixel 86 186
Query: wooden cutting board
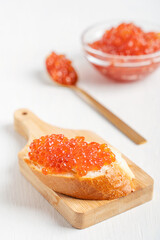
pixel 79 213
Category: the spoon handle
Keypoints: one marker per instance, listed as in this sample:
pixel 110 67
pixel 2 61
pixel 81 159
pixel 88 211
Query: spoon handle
pixel 116 121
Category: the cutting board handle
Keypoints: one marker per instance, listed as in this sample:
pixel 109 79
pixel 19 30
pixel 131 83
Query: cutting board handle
pixel 28 124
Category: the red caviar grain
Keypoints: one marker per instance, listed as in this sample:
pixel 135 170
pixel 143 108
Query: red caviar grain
pixel 129 40
pixel 60 69
pixel 57 154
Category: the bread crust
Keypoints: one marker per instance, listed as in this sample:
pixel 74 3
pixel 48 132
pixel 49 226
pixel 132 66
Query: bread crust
pixel 113 184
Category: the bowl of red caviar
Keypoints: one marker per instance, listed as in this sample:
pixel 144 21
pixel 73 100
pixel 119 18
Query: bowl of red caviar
pixel 123 51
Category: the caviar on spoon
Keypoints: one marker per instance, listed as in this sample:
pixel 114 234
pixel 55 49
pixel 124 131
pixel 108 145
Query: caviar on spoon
pixel 62 72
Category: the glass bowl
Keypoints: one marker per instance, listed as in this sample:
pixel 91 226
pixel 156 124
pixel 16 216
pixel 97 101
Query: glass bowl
pixel 119 68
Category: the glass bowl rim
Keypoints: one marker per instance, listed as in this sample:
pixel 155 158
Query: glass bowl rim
pixel 113 56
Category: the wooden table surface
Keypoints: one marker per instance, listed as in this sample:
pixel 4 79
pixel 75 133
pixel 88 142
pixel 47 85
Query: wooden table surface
pixel 29 30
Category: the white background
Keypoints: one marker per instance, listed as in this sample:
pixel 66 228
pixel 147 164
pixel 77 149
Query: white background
pixel 29 30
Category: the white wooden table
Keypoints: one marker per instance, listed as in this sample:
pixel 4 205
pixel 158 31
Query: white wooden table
pixel 29 30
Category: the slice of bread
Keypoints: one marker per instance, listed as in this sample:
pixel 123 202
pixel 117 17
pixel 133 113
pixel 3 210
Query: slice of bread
pixel 110 182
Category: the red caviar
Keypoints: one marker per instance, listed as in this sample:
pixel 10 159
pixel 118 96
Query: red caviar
pixel 125 53
pixel 57 154
pixel 129 40
pixel 60 69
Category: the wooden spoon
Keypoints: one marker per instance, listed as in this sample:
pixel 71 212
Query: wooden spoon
pixel 116 121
